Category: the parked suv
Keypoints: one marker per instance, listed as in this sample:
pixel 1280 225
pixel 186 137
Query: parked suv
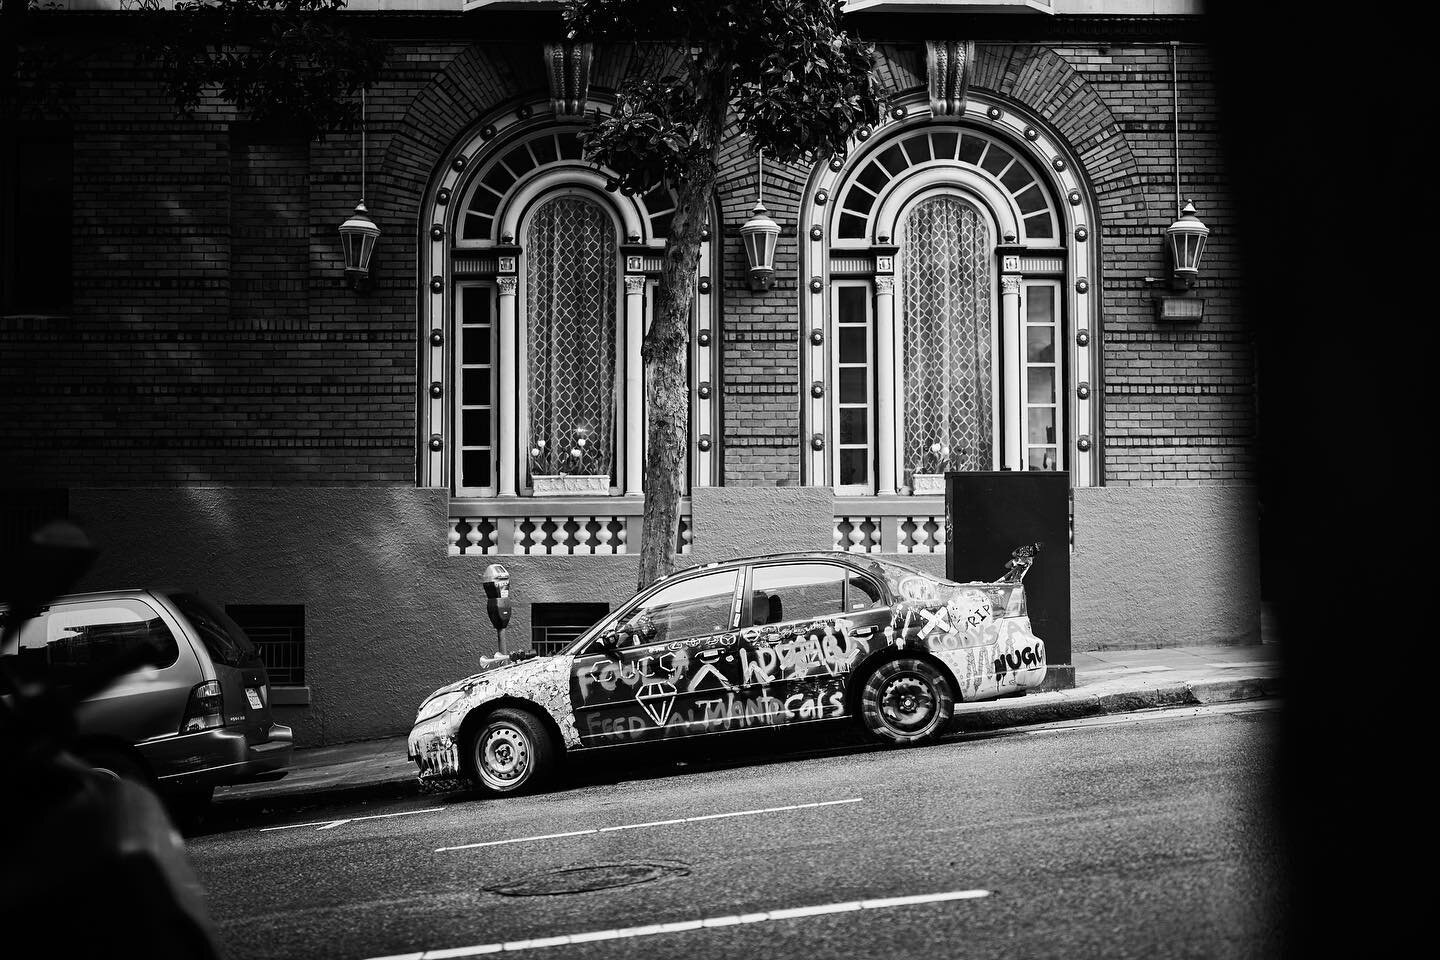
pixel 200 719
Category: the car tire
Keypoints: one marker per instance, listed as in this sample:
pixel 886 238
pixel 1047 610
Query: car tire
pixel 906 701
pixel 509 752
pixel 116 764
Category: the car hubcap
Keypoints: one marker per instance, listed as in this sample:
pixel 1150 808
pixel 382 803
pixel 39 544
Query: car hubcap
pixel 908 703
pixel 504 757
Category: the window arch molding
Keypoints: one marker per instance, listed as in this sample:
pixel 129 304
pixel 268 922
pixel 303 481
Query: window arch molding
pixel 520 206
pixel 470 251
pixel 1040 179
pixel 895 203
pixel 519 222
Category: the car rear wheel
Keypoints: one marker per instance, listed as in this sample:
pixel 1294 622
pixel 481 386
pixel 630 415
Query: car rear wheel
pixel 510 751
pixel 116 764
pixel 906 701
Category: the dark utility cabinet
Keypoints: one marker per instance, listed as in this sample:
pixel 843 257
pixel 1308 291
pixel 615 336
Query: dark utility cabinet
pixel 987 515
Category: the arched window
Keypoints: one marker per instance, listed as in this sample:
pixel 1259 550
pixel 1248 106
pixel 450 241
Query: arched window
pixel 947 338
pixel 541 286
pixel 939 256
pixel 571 342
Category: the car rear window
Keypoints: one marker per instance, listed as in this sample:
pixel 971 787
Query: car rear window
pixel 222 637
pixel 71 638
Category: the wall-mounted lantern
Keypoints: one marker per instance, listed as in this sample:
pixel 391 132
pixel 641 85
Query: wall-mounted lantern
pixel 760 235
pixel 358 236
pixel 1185 243
pixel 359 233
pixel 1186 237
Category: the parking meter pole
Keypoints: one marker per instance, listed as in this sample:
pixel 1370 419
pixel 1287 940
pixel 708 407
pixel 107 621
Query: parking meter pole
pixel 496 580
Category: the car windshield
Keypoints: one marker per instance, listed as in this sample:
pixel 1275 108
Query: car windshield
pixel 222 636
pixel 586 636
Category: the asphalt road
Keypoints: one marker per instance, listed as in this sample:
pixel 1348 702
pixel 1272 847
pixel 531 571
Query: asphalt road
pixel 1138 836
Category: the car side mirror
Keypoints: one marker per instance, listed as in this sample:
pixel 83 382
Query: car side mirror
pixel 610 644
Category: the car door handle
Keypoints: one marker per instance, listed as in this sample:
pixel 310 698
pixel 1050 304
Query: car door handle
pixel 860 633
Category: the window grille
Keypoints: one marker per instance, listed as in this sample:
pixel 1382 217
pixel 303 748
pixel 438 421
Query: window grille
pixel 570 296
pixel 553 626
pixel 278 631
pixel 948 296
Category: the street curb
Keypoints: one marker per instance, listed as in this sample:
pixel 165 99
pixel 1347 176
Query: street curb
pixel 1000 716
pixel 349 792
pixel 994 716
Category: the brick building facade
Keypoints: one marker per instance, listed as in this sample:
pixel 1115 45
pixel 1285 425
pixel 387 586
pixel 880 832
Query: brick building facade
pixel 193 379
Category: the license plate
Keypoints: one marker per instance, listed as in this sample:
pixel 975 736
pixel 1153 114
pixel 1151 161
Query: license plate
pixel 253 695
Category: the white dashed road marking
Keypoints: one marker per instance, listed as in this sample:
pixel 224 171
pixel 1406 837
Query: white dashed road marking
pixel 332 824
pixel 650 823
pixel 626 933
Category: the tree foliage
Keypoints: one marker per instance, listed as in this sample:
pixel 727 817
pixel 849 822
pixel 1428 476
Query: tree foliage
pixel 293 62
pixel 284 61
pixel 781 73
pixel 797 83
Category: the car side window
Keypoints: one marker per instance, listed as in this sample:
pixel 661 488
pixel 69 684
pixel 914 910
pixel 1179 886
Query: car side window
pixel 696 607
pixel 786 592
pixel 69 638
pixel 861 593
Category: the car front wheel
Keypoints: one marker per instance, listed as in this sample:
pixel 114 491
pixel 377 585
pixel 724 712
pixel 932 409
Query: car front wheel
pixel 906 701
pixel 510 751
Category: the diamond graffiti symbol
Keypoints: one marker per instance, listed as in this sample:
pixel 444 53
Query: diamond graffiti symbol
pixel 658 698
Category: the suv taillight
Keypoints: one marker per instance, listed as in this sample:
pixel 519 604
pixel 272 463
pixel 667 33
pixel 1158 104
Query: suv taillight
pixel 206 708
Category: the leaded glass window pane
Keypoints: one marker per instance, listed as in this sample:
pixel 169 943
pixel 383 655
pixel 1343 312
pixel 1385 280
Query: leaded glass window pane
pixel 1043 415
pixel 854 374
pixel 571 315
pixel 475 442
pixel 948 297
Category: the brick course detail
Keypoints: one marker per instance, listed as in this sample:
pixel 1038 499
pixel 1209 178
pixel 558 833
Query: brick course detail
pixel 213 340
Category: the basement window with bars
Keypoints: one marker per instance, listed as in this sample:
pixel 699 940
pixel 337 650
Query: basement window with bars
pixel 278 631
pixel 553 626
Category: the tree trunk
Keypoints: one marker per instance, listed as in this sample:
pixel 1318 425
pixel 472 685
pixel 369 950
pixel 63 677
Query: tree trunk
pixel 667 386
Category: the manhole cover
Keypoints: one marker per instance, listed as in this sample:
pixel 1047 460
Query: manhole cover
pixel 601 876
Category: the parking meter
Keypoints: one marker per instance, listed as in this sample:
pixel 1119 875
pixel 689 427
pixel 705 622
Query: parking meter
pixel 496 580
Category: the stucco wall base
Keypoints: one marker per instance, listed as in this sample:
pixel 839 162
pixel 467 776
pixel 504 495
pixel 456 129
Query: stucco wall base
pixel 1164 567
pixel 748 521
pixel 389 616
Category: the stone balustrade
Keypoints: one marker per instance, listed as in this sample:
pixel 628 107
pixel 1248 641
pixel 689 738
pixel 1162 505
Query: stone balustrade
pixel 553 526
pixel 611 525
pixel 890 525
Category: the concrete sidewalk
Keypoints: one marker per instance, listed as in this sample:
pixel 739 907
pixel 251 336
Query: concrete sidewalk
pixel 1108 682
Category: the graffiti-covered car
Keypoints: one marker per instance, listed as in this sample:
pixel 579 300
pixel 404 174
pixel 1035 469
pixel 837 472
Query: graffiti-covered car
pixel 773 641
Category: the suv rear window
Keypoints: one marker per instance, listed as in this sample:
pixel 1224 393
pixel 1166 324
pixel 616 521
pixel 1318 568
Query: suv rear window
pixel 71 638
pixel 224 639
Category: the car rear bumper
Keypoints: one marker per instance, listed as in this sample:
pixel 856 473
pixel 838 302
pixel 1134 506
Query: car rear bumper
pixel 217 757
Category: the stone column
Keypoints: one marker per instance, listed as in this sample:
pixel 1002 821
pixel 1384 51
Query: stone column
pixel 1013 346
pixel 509 394
pixel 634 384
pixel 885 382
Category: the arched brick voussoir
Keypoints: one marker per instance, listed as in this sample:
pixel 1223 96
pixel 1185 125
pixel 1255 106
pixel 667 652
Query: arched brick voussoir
pixel 479 79
pixel 735 186
pixel 1044 83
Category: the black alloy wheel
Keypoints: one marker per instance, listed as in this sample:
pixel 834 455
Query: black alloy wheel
pixel 511 751
pixel 906 701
